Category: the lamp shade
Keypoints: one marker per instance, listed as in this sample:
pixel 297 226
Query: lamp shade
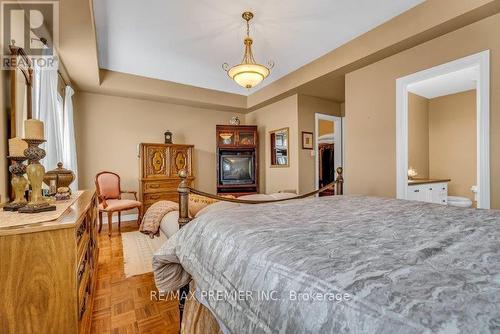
pixel 248 75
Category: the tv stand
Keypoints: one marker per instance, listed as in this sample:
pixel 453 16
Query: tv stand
pixel 237 160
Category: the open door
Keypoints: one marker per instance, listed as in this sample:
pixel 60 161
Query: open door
pixel 328 150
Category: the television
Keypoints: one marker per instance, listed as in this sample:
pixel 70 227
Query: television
pixel 237 168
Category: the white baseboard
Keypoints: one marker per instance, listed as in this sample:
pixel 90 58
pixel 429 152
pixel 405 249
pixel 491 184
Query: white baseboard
pixel 125 218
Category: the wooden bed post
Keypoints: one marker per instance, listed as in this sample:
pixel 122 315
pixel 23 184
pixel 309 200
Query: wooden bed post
pixel 183 190
pixel 339 182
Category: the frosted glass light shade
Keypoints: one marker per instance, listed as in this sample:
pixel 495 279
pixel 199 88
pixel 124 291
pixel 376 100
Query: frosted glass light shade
pixel 248 75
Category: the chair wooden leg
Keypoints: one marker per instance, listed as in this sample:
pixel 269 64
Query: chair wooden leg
pixel 100 221
pixel 119 222
pixel 110 223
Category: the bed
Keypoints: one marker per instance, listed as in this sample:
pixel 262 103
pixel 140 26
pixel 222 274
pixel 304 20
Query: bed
pixel 340 264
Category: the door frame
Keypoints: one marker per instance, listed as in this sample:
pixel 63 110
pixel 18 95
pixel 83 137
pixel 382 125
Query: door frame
pixel 480 60
pixel 336 120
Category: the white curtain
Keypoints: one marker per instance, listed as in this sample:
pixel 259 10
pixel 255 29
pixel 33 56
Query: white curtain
pixel 47 107
pixel 57 116
pixel 69 144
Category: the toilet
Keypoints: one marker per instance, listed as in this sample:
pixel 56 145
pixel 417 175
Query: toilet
pixel 462 202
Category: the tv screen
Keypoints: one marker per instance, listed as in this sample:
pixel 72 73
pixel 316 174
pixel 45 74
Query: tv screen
pixel 236 169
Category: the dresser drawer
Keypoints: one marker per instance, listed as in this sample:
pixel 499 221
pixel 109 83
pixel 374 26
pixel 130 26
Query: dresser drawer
pixel 83 267
pixel 150 199
pixel 82 230
pixel 83 285
pixel 160 186
pixel 160 196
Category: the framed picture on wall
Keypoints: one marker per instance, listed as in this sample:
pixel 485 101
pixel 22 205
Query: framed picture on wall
pixel 307 140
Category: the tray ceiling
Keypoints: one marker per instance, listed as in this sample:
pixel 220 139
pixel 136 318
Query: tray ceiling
pixel 187 41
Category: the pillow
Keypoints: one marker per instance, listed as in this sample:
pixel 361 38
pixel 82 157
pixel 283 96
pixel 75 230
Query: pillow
pixel 170 223
pixel 197 202
pixel 256 197
pixel 282 195
pixel 267 197
pixel 216 207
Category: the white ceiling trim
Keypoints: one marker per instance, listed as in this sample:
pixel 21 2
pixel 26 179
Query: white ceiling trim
pixel 447 84
pixel 188 41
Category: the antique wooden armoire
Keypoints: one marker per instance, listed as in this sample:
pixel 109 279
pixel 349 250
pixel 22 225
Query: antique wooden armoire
pixel 159 167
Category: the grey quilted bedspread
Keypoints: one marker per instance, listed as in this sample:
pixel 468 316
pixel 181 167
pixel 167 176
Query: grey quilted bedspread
pixel 346 264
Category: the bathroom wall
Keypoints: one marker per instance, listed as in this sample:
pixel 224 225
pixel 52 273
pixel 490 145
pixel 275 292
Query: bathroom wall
pixel 418 134
pixel 370 107
pixel 452 141
pixel 442 139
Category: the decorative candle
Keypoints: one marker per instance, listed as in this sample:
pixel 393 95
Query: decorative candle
pixel 33 129
pixel 17 147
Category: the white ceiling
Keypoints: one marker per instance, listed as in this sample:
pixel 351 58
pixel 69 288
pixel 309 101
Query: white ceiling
pixel 186 41
pixel 451 83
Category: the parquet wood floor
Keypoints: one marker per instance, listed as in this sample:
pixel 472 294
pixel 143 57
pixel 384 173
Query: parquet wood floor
pixel 124 305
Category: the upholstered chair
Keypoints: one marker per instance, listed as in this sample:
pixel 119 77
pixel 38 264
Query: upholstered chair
pixel 110 199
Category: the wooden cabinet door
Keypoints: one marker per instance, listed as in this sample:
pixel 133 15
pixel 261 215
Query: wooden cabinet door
pixel 440 193
pixel 413 193
pixel 155 161
pixel 226 138
pixel 247 138
pixel 181 158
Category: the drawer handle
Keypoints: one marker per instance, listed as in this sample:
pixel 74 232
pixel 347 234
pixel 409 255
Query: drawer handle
pixel 155 197
pixel 430 188
pixel 154 186
pixel 81 230
pixel 82 268
pixel 417 191
pixel 84 307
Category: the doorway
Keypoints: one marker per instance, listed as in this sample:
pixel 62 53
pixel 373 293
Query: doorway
pixel 446 77
pixel 328 149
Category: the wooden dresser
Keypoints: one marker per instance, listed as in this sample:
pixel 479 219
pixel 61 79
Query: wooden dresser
pixel 48 272
pixel 159 167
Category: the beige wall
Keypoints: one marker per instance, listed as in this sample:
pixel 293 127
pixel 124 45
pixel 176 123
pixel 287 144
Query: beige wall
pixel 109 129
pixel 278 115
pixel 296 112
pixel 371 100
pixel 424 22
pixel 126 122
pixel 452 141
pixel 308 107
pixel 418 134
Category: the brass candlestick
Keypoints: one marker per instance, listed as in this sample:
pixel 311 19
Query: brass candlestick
pixel 18 182
pixel 35 172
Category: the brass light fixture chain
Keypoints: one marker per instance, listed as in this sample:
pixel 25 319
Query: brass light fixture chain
pixel 248 73
pixel 248 29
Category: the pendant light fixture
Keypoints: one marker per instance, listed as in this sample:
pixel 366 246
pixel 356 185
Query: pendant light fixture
pixel 248 74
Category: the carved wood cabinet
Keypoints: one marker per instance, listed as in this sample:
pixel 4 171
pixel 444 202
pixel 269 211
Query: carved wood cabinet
pixel 237 160
pixel 48 272
pixel 159 167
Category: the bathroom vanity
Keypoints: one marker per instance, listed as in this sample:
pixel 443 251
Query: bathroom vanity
pixel 431 191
